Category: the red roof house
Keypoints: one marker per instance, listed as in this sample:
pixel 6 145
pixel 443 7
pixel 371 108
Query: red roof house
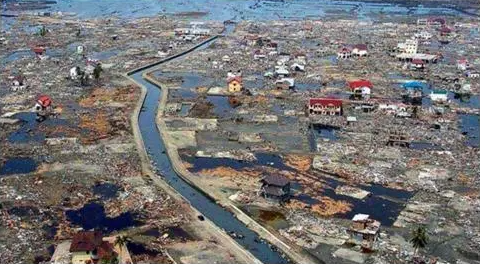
pixel 325 106
pixel 44 101
pixel 39 50
pixel 354 85
pixel 86 241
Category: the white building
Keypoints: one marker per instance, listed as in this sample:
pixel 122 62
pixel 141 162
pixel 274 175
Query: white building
pixel 440 96
pixel 423 35
pixel 281 70
pixel 410 46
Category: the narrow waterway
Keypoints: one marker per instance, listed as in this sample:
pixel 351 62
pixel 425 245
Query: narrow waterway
pixel 157 153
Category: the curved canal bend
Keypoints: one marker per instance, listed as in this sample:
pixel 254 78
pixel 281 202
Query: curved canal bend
pixel 157 153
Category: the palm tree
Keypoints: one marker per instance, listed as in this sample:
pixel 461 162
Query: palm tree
pixel 96 72
pixel 109 260
pixel 43 31
pixel 419 238
pixel 121 241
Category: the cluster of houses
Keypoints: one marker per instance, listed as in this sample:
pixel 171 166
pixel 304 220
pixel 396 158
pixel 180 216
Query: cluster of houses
pixel 195 31
pixel 465 67
pixel 357 50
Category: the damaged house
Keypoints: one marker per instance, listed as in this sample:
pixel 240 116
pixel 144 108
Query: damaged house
pixel 364 231
pixel 275 187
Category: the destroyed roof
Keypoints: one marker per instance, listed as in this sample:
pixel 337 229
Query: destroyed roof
pixel 360 217
pixel 326 101
pixel 86 241
pixel 276 180
pixel 274 190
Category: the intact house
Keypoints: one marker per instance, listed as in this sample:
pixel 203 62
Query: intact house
pixel 325 106
pixel 39 52
pixel 417 64
pixel 285 83
pixel 472 74
pixel 344 53
pixel 361 88
pixel 439 96
pixel 360 50
pixel 463 64
pixel 281 71
pixel 235 84
pixel 18 82
pixel 89 247
pixel 275 187
pixel 259 54
pixel 364 231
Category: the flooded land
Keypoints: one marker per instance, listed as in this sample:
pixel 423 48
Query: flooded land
pixel 242 131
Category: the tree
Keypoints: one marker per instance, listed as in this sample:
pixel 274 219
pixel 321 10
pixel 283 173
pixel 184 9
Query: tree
pixel 97 71
pixel 419 238
pixel 109 260
pixel 43 31
pixel 121 241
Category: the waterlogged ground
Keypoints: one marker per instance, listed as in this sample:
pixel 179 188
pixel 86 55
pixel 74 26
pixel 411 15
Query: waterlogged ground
pixel 242 9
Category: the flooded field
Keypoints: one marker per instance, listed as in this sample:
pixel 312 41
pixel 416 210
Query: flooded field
pixel 93 215
pixel 17 166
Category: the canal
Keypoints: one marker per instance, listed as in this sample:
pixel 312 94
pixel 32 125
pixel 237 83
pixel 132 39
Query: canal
pixel 156 150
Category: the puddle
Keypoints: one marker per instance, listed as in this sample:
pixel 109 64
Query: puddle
pixel 106 190
pixel 306 199
pixel 221 106
pixel 103 55
pixel 384 204
pixel 324 131
pixel 271 218
pixel 176 232
pixel 185 109
pixel 470 127
pixel 24 211
pixel 153 232
pixel 424 146
pixel 303 87
pixel 29 132
pixel 17 55
pixel 263 159
pixel 469 101
pixel 93 215
pixel 18 166
pixel 139 249
pixel 50 231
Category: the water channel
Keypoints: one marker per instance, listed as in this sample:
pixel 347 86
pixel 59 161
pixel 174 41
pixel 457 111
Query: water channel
pixel 157 153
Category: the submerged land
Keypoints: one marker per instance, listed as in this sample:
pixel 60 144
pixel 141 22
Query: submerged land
pixel 352 115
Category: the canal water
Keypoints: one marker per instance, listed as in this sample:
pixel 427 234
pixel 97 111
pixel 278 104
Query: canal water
pixel 157 152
